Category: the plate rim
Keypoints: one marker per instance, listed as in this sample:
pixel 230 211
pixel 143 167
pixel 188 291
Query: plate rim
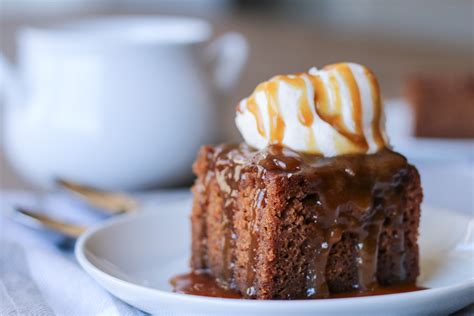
pixel 80 252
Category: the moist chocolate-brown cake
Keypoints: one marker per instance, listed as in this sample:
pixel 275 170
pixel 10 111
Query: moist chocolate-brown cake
pixel 276 224
pixel 443 106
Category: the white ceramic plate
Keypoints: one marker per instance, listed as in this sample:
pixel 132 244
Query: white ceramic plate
pixel 134 257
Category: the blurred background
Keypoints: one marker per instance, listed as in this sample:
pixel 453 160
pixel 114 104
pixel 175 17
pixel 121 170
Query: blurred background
pixel 125 105
pixel 394 38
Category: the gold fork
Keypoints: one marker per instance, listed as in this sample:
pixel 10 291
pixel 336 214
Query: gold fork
pixel 41 221
pixel 111 202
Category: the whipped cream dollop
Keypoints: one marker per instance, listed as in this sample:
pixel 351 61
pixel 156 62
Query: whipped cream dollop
pixel 334 111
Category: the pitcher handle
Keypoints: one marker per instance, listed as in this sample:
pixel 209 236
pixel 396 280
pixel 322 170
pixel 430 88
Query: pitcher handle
pixel 227 56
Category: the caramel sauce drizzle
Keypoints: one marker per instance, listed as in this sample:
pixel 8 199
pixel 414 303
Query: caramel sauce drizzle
pixel 305 116
pixel 227 176
pixel 259 204
pixel 304 110
pixel 277 124
pixel 351 83
pixel 333 114
pixel 327 102
pixel 255 110
pixel 368 251
pixel 375 93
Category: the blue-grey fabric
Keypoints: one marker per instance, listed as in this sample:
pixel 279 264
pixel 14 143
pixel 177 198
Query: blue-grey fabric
pixel 19 293
pixel 39 275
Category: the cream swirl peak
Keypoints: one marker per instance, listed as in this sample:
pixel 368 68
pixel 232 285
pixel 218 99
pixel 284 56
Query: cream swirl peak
pixel 334 111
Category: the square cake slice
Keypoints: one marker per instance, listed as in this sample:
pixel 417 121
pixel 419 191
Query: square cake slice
pixel 277 224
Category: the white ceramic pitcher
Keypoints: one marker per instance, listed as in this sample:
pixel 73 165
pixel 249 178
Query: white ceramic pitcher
pixel 119 103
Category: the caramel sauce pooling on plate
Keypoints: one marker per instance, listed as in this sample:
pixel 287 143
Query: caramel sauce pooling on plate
pixel 202 284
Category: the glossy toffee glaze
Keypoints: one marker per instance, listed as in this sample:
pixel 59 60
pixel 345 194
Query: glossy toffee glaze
pixel 328 106
pixel 353 194
pixel 198 283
